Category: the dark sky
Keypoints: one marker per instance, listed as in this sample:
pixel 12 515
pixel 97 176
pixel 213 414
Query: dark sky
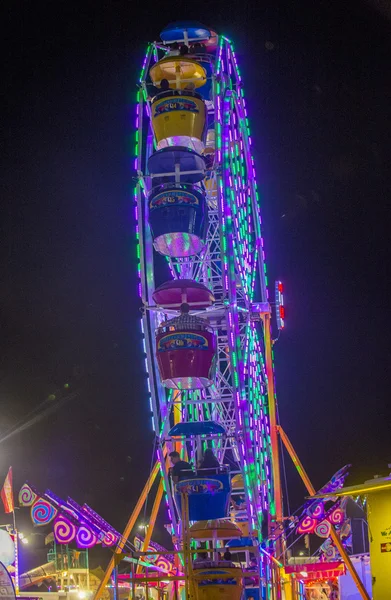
pixel 318 86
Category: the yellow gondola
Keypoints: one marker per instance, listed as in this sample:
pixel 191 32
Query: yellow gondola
pixel 221 529
pixel 218 583
pixel 177 117
pixel 179 72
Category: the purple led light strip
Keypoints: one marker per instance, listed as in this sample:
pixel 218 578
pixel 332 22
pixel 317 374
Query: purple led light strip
pixel 259 239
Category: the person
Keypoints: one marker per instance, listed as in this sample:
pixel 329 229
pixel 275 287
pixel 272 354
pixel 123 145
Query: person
pixel 199 48
pixel 195 48
pixel 209 463
pixel 239 504
pixel 183 50
pixel 180 469
pixel 165 89
pixel 174 50
pixel 186 321
pixel 189 89
pixel 200 560
pixel 227 557
pixel 253 566
pixel 154 91
pixel 164 85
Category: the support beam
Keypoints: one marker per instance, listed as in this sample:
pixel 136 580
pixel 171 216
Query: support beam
pixel 333 533
pixel 186 543
pixel 296 461
pixel 127 531
pixel 152 521
pixel 277 489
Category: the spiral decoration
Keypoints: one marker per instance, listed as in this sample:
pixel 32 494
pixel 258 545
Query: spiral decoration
pixel 42 512
pixel 317 511
pixel 85 538
pixel 64 531
pixel 346 530
pixel 307 525
pixel 337 517
pixel 328 551
pixel 163 563
pixel 151 558
pixel 336 481
pixel 109 539
pixel 323 529
pixel 26 496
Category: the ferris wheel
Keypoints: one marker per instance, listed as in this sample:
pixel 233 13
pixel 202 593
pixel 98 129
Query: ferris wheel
pixel 206 318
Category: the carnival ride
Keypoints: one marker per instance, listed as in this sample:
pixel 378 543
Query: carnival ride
pixel 206 323
pixel 203 284
pixel 206 330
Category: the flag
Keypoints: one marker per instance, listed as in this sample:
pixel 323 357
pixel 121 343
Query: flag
pixel 7 495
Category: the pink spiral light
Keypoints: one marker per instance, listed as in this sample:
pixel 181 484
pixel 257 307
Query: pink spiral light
pixel 42 512
pixel 323 529
pixel 337 517
pixel 328 551
pixel 307 525
pixel 110 539
pixel 64 531
pixel 85 538
pixel 163 563
pixel 318 511
pixel 26 496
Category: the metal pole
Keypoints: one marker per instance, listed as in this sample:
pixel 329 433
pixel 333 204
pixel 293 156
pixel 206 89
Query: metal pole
pixel 184 542
pixel 129 526
pixel 333 534
pixel 186 546
pixel 151 525
pixel 296 461
pixel 16 551
pixel 115 582
pixel 146 584
pixel 277 490
pixel 133 583
pixel 88 571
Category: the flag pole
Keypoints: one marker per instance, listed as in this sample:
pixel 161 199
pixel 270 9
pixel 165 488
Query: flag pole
pixel 7 497
pixel 16 550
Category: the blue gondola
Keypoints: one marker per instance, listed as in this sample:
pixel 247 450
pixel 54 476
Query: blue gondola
pixel 176 165
pixel 178 219
pixel 208 496
pixel 196 428
pixel 175 32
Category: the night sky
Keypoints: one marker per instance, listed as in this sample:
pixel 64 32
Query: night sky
pixel 318 86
